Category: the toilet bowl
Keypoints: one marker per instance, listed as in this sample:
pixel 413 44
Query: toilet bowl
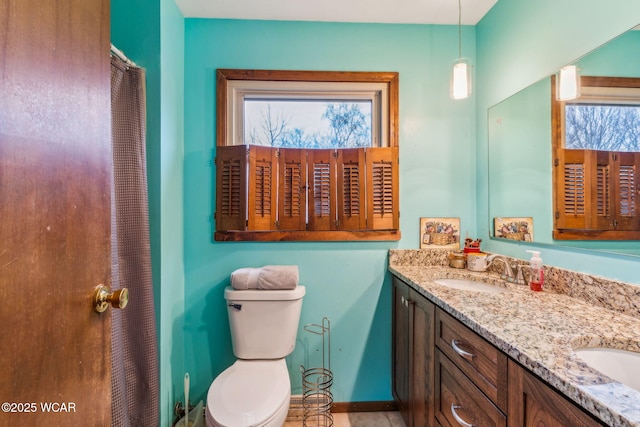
pixel 253 393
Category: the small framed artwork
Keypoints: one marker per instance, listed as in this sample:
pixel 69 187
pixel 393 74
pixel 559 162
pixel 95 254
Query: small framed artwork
pixel 439 233
pixel 513 228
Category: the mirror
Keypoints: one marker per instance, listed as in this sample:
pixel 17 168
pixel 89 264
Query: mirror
pixel 520 152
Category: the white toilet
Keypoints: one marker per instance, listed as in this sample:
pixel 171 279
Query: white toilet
pixel 255 390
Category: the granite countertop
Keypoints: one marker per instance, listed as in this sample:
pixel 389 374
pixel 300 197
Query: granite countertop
pixel 539 330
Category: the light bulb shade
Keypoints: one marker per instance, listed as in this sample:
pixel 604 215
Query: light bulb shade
pixel 461 80
pixel 568 83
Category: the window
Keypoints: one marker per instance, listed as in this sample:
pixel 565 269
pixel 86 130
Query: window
pixel 596 145
pixel 306 155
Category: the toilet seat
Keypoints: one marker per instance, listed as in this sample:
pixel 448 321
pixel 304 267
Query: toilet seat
pixel 249 393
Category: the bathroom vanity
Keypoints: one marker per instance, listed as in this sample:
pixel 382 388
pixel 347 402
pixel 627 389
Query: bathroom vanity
pixel 503 358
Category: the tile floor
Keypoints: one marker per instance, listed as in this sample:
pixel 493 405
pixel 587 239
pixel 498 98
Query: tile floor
pixel 361 419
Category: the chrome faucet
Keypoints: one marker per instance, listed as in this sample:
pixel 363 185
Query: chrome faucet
pixel 509 274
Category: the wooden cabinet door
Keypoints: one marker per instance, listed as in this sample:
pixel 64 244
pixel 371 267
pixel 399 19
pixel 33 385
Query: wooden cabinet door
pixel 533 403
pixel 401 347
pixel 413 355
pixel 422 387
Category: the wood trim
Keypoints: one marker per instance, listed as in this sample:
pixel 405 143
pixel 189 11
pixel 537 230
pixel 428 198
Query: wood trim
pixel 394 103
pixel 570 234
pixel 298 236
pixel 390 77
pixel 374 406
pixel 603 81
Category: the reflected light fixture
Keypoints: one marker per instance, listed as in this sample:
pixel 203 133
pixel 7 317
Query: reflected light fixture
pixel 461 73
pixel 568 83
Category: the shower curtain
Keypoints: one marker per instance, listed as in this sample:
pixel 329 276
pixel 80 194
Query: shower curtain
pixel 134 354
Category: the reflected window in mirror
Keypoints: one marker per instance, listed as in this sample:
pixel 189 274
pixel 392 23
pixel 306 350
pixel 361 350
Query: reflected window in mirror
pixel 596 147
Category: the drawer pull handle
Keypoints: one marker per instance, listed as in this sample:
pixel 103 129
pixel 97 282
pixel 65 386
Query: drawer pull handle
pixel 461 352
pixel 457 417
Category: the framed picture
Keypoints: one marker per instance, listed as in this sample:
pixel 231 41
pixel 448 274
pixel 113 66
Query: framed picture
pixel 439 233
pixel 514 228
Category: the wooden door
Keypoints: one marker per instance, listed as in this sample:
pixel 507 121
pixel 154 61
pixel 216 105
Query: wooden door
pixel 55 168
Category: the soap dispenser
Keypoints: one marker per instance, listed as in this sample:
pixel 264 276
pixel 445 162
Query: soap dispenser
pixel 536 276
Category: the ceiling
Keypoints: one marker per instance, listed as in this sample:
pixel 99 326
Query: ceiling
pixel 370 11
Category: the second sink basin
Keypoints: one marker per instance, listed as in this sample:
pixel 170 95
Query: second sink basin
pixel 470 285
pixel 620 365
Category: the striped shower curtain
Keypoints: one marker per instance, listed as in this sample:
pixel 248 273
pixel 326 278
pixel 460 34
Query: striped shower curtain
pixel 134 354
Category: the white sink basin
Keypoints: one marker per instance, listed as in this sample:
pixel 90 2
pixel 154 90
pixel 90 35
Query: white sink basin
pixel 620 365
pixel 469 285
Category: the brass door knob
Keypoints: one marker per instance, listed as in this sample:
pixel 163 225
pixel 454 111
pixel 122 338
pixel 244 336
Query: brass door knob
pixel 103 296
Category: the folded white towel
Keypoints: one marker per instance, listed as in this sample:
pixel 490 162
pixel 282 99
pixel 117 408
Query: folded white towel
pixel 269 277
pixel 245 278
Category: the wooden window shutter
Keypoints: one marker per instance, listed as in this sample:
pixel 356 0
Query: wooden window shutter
pixel 600 188
pixel 292 194
pixel 382 183
pixel 572 198
pixel 625 190
pixel 351 189
pixel 262 185
pixel 603 191
pixel 322 189
pixel 231 187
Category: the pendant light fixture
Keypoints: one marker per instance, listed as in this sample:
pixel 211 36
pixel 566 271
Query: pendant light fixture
pixel 568 83
pixel 461 73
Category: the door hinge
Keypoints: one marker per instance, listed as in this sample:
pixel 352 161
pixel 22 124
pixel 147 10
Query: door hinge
pixel 557 214
pixel 556 162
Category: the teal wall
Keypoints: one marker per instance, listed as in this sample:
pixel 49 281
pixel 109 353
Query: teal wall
pixel 346 281
pixel 518 43
pixel 620 57
pixel 171 180
pixel 151 33
pixel 520 158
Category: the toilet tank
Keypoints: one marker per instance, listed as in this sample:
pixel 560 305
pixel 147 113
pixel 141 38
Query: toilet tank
pixel 264 323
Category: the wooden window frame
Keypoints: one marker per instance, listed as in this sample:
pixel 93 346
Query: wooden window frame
pixel 594 214
pixel 360 215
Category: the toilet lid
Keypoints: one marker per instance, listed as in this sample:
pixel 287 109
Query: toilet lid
pixel 249 392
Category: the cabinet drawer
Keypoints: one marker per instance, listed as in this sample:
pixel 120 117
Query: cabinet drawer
pixel 459 402
pixel 485 365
